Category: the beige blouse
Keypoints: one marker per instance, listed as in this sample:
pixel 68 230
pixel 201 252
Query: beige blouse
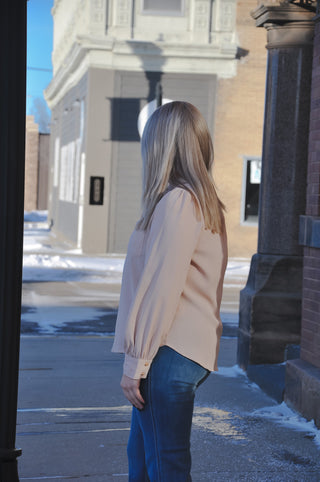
pixel 171 288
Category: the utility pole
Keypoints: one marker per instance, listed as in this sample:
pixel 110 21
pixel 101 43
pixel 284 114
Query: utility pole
pixel 12 155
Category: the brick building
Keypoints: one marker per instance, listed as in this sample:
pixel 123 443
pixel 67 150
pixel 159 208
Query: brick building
pixel 108 56
pixel 36 167
pixel 279 316
pixel 303 375
pixel 238 133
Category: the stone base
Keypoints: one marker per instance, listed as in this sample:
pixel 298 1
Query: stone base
pixel 270 309
pixel 270 378
pixel 302 390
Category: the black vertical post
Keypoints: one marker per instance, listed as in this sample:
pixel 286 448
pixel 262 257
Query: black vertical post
pixel 159 93
pixel 12 155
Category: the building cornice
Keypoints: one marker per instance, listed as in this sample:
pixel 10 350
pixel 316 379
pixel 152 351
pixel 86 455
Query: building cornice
pixel 288 25
pixel 69 73
pixel 280 14
pixel 139 56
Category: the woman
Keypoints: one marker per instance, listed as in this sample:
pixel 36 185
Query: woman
pixel 168 323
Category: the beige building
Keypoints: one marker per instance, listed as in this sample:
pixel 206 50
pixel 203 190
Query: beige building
pixel 108 57
pixel 238 133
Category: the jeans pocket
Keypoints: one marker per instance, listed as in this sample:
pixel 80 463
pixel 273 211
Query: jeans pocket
pixel 177 374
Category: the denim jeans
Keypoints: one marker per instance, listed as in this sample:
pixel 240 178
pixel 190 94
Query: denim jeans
pixel 159 442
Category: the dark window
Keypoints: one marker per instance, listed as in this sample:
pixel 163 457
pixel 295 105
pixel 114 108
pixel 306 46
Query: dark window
pixel 251 191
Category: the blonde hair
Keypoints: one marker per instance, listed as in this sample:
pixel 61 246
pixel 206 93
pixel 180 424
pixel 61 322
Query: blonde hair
pixel 177 150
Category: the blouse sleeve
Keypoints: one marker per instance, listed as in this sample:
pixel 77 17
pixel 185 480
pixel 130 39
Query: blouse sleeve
pixel 173 237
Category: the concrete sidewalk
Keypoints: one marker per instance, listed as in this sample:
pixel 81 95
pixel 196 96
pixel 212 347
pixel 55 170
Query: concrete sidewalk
pixel 73 421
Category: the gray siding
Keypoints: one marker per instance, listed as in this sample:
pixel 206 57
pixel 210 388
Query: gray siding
pixel 43 172
pixel 133 91
pixel 113 101
pixel 66 127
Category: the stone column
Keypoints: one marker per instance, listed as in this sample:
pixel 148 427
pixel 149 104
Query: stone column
pixel 270 304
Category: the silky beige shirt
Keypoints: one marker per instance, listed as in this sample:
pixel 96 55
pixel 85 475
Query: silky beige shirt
pixel 171 288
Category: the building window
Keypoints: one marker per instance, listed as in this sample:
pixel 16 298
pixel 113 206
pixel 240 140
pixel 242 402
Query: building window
pixel 162 7
pixel 250 190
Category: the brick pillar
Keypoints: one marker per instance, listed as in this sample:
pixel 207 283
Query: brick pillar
pixel 303 375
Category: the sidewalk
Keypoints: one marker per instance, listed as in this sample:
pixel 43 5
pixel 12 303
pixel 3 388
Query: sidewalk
pixel 73 421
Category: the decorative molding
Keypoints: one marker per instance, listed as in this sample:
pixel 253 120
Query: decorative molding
pixel 201 16
pixel 178 44
pixel 123 13
pixel 98 9
pixel 290 35
pixel 227 16
pixel 137 56
pixel 77 21
pixel 280 14
pixel 97 12
pixel 309 4
pixel 206 22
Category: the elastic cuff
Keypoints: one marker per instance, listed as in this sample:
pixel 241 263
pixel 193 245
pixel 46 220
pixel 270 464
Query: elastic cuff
pixel 136 367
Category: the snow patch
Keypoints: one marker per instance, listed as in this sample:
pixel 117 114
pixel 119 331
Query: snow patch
pixel 286 417
pixel 231 372
pixel 35 216
pixel 46 267
pixel 74 262
pixel 237 268
pixel 50 318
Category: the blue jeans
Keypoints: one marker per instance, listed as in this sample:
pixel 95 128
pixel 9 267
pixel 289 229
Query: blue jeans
pixel 159 442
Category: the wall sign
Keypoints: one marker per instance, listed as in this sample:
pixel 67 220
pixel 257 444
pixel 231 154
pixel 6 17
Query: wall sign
pixel 96 190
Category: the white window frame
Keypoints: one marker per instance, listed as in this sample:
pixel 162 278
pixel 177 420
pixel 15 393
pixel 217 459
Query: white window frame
pixel 243 221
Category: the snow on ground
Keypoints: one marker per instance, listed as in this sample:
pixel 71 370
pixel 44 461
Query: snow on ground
pixel 286 417
pixel 56 274
pixel 230 372
pixel 278 413
pixel 70 261
pixel 36 216
pixel 237 271
pixel 52 318
pixel 46 259
pixel 36 265
pixel 46 267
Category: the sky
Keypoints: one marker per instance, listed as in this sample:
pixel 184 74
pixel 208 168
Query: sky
pixel 39 66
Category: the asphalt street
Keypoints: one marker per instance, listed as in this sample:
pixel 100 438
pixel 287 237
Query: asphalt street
pixel 73 420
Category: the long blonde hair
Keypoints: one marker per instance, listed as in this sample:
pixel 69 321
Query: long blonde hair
pixel 177 151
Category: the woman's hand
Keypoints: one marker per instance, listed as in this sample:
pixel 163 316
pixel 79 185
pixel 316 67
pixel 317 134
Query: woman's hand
pixel 131 390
